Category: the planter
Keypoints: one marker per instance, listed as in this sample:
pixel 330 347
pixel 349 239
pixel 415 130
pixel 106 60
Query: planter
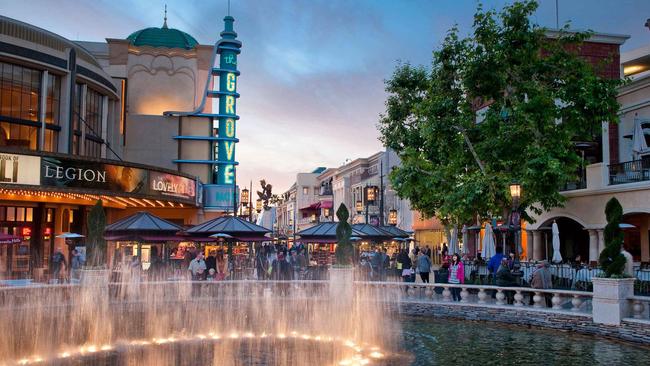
pixel 610 299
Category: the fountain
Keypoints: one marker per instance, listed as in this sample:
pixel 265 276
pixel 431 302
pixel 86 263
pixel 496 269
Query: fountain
pixel 191 323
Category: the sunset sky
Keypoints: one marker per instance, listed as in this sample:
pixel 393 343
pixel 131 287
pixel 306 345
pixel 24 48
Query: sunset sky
pixel 312 71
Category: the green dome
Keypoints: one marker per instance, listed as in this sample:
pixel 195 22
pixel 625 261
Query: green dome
pixel 162 37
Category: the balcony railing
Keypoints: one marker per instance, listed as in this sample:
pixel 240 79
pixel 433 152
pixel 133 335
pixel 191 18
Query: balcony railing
pixel 325 191
pixel 629 171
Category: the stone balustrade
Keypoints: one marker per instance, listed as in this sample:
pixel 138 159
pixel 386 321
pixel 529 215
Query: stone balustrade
pixel 640 306
pixel 517 297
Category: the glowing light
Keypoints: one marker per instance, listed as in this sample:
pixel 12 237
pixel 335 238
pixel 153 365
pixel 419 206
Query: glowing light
pixel 376 354
pixel 91 349
pixel 106 347
pixel 282 335
pixel 233 335
pixel 249 335
pixel 65 355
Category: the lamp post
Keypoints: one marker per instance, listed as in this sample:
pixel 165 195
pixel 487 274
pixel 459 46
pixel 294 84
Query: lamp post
pixel 515 194
pixel 392 217
pixel 370 197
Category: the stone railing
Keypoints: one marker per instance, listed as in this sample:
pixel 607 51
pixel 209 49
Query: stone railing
pixel 640 306
pixel 482 295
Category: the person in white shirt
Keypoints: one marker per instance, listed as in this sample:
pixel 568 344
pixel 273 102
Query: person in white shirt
pixel 628 270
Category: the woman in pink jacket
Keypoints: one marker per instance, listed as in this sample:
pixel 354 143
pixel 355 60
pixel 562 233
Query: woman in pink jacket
pixel 456 275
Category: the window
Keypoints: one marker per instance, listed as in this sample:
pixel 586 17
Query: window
pixel 20 90
pixel 305 190
pixel 94 110
pixel 316 190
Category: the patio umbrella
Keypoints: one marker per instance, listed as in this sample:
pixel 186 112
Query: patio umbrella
pixel 70 236
pixel 465 240
pixel 557 257
pixel 488 243
pixel 638 139
pixel 453 241
pixel 221 236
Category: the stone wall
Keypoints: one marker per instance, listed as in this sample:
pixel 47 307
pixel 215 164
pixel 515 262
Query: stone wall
pixel 630 330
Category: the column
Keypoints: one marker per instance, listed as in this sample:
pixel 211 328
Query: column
pixel 593 246
pixel 601 241
pixel 537 245
pixel 645 240
pixel 530 245
pixel 104 134
pixel 43 111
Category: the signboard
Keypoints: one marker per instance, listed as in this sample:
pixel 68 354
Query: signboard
pixel 19 169
pixel 72 173
pixel 62 172
pixel 219 197
pixel 172 185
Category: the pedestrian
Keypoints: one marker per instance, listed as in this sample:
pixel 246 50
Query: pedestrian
pixel 511 261
pixel 211 262
pixel 456 276
pixel 57 262
pixel 504 278
pixel 197 267
pixel 76 262
pixel 377 262
pixel 628 270
pixel 407 265
pixel 221 266
pixel 542 280
pixel 385 265
pixel 427 251
pixel 494 263
pixel 424 266
pixel 262 263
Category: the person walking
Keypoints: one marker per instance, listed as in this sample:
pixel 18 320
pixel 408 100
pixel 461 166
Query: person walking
pixel 456 276
pixel 76 262
pixel 57 262
pixel 542 280
pixel 197 267
pixel 211 262
pixel 407 270
pixel 504 278
pixel 424 266
pixel 494 263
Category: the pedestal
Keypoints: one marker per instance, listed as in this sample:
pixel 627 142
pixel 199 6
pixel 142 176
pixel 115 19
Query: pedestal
pixel 610 299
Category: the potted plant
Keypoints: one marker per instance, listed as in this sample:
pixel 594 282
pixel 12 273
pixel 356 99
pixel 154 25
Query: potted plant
pixel 342 271
pixel 612 288
pixel 95 271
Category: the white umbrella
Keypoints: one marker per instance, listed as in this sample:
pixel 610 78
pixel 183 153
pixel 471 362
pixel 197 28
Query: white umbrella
pixel 488 243
pixel 465 240
pixel 638 139
pixel 557 257
pixel 453 241
pixel 70 236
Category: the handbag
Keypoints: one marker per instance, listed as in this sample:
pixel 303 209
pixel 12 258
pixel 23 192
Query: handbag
pixel 399 265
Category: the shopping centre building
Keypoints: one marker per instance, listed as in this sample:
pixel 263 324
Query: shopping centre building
pixel 127 121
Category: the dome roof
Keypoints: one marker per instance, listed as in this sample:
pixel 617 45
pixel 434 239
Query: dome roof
pixel 162 37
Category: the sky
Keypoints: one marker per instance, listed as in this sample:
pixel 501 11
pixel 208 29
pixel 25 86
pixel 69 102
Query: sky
pixel 313 71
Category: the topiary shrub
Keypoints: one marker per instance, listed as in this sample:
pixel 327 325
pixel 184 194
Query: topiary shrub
pixel 611 260
pixel 344 249
pixel 95 243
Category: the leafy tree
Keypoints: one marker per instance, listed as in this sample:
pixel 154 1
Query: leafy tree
pixel 344 247
pixel 506 104
pixel 611 260
pixel 95 244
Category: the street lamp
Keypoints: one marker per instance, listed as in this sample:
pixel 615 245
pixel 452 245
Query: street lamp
pixel 359 206
pixel 392 217
pixel 245 194
pixel 515 193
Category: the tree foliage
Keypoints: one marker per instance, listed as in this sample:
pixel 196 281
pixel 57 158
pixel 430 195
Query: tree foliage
pixel 507 103
pixel 95 244
pixel 611 260
pixel 344 247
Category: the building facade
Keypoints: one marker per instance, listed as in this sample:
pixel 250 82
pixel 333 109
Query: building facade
pixel 129 122
pixel 621 172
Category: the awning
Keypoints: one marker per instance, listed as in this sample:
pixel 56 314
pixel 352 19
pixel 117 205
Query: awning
pixel 318 205
pixel 144 238
pixel 318 241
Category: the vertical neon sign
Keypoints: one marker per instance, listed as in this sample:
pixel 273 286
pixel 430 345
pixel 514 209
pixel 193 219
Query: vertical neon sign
pixel 228 49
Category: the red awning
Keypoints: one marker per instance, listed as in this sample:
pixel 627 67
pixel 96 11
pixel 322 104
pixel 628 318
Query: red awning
pixel 318 205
